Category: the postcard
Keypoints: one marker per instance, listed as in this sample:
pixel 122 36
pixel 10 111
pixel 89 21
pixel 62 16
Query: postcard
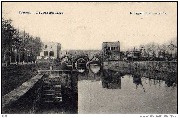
pixel 89 58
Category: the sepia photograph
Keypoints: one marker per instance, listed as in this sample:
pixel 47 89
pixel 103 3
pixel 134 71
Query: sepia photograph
pixel 89 57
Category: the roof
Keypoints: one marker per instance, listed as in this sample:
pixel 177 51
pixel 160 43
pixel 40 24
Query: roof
pixel 111 43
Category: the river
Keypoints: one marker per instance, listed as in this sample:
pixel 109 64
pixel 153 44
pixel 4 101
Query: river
pixel 129 94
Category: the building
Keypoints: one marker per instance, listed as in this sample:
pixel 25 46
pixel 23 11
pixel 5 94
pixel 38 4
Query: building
pixel 111 51
pixel 50 50
pixel 134 55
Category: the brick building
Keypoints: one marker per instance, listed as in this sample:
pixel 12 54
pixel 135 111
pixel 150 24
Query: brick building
pixel 111 50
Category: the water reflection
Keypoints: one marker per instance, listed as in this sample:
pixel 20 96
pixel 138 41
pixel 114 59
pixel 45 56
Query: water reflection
pixel 137 79
pixel 171 80
pixel 112 79
pixel 134 92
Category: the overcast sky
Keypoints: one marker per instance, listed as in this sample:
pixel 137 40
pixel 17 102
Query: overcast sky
pixel 87 25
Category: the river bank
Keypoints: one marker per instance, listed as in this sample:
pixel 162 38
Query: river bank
pixel 14 75
pixel 161 66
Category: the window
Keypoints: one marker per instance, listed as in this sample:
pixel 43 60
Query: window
pixel 45 53
pixel 108 48
pixel 51 53
pixel 45 46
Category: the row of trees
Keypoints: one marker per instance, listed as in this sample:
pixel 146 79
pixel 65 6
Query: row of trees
pixel 18 46
pixel 154 51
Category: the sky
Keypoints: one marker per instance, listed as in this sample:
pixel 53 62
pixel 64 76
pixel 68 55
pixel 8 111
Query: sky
pixel 85 25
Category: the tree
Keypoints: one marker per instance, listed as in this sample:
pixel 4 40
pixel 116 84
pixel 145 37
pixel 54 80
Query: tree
pixel 7 39
pixel 172 49
pixel 152 50
pixel 18 43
